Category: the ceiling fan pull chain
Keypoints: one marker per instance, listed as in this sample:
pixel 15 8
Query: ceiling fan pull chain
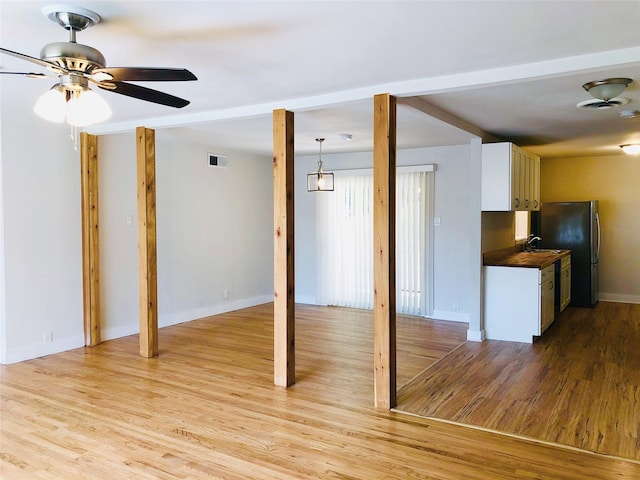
pixel 74 136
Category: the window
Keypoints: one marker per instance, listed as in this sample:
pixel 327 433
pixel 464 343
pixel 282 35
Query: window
pixel 522 225
pixel 345 220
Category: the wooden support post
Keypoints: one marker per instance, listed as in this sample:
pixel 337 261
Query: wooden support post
pixel 90 240
pixel 148 276
pixel 384 267
pixel 284 364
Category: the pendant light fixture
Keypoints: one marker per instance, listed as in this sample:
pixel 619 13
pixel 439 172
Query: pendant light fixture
pixel 320 181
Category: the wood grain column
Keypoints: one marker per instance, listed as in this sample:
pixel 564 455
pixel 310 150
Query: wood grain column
pixel 90 240
pixel 384 267
pixel 284 360
pixel 148 276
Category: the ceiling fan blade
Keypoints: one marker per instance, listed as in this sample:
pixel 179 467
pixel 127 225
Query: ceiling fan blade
pixel 143 74
pixel 35 60
pixel 143 93
pixel 29 74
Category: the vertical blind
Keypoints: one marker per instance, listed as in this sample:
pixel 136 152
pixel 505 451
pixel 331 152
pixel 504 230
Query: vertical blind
pixel 345 256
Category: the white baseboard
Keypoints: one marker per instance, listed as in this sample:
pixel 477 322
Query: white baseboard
pixel 167 320
pixel 132 328
pixel 450 316
pixel 28 352
pixel 619 298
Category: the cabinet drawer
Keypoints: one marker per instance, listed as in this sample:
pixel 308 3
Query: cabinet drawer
pixel 565 261
pixel 547 273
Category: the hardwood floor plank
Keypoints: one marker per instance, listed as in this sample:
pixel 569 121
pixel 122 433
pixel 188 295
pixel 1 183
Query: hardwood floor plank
pixel 206 407
pixel 579 385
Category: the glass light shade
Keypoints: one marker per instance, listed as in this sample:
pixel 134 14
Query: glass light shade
pixel 632 149
pixel 320 182
pixel 86 108
pixel 607 89
pixel 52 105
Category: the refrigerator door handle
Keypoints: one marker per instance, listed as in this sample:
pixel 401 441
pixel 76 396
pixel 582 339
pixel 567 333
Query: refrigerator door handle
pixel 598 228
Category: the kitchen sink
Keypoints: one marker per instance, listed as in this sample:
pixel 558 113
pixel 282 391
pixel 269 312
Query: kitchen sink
pixel 543 250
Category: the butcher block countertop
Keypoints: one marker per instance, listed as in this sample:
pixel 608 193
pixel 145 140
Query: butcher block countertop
pixel 515 257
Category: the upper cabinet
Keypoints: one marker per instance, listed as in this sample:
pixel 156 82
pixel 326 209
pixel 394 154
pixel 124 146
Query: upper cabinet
pixel 510 178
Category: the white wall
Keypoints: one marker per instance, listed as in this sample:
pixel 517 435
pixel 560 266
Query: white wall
pixel 214 231
pixel 3 325
pixel 454 257
pixel 42 298
pixel 613 180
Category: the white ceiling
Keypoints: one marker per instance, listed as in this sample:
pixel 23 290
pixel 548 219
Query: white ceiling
pixel 512 68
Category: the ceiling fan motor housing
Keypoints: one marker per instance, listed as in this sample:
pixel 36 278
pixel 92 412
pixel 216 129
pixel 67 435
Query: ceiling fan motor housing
pixel 73 56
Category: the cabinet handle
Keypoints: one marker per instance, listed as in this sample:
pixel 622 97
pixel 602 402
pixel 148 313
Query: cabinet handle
pixel 550 285
pixel 535 204
pixel 526 203
pixel 517 202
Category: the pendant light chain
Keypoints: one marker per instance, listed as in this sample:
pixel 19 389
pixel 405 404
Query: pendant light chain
pixel 320 140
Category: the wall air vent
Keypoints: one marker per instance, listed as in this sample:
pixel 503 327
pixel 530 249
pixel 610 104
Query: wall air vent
pixel 217 161
pixel 597 104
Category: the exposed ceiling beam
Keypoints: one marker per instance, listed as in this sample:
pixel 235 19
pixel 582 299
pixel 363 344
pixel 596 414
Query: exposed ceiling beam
pixel 425 107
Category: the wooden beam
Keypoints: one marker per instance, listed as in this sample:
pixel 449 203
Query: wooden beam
pixel 425 107
pixel 384 265
pixel 284 364
pixel 148 276
pixel 90 238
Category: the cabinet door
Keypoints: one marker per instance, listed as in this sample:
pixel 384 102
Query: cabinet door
pixel 516 178
pixel 526 180
pixel 498 176
pixel 507 183
pixel 534 182
pixel 547 300
pixel 565 286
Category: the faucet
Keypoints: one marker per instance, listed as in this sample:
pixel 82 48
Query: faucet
pixel 530 239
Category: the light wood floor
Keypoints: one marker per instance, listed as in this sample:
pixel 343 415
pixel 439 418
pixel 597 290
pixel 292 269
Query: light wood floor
pixel 578 385
pixel 207 408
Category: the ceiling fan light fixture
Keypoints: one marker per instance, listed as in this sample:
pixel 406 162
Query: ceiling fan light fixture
pixel 631 148
pixel 78 105
pixel 86 107
pixel 608 88
pixel 52 105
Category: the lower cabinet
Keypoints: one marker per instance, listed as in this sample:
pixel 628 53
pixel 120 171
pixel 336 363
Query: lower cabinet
pixel 547 298
pixel 518 302
pixel 565 282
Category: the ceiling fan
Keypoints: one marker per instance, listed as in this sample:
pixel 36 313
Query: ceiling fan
pixel 76 66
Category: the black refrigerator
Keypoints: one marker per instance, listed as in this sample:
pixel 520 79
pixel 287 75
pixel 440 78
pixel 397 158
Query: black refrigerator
pixel 575 226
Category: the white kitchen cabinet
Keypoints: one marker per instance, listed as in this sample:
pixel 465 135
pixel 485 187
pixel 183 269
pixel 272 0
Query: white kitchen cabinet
pixel 547 297
pixel 518 302
pixel 565 282
pixel 534 182
pixel 510 178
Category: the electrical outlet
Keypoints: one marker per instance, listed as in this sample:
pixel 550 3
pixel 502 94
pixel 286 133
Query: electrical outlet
pixel 47 337
pixel 225 294
pixel 456 305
